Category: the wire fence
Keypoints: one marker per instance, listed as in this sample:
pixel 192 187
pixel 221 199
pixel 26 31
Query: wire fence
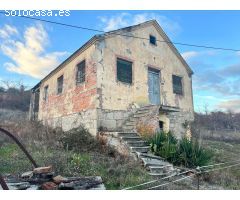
pixel 196 173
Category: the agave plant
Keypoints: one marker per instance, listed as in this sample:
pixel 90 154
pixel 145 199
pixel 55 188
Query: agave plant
pixel 191 154
pixel 184 152
pixel 164 144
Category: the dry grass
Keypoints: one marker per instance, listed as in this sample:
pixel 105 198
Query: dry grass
pixel 224 152
pixel 86 156
pixel 145 130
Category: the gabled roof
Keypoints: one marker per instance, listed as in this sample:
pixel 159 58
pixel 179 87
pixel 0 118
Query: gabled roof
pixel 121 31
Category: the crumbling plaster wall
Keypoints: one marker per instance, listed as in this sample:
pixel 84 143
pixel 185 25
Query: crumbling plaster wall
pixel 102 101
pixel 117 96
pixel 77 103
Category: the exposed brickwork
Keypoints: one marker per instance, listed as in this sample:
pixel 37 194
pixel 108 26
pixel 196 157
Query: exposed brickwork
pixel 75 98
pixel 102 101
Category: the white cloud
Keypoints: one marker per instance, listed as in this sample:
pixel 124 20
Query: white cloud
pixel 7 31
pixel 232 105
pixel 29 56
pixel 127 19
pixel 189 54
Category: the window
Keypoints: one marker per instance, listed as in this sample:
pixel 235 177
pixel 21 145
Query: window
pixel 177 84
pixel 60 85
pixel 152 40
pixel 80 76
pixel 45 94
pixel 124 71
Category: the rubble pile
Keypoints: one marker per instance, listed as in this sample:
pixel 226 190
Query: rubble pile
pixel 44 178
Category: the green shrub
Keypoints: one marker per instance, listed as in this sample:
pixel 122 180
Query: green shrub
pixel 182 152
pixel 164 144
pixel 79 140
pixel 191 154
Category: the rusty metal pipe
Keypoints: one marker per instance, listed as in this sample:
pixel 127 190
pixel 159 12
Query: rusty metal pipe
pixel 15 139
pixel 3 183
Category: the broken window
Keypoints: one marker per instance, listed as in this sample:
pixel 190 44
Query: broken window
pixel 124 71
pixel 60 84
pixel 80 76
pixel 177 84
pixel 152 40
pixel 45 94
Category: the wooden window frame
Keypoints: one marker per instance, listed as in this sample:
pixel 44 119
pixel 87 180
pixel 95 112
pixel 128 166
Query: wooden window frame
pixel 58 82
pixel 45 93
pixel 174 89
pixel 117 75
pixel 83 77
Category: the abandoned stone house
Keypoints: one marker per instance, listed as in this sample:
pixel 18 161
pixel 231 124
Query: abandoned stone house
pixel 116 81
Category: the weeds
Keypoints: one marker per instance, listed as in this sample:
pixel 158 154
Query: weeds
pixel 191 154
pixel 74 153
pixel 183 152
pixel 145 131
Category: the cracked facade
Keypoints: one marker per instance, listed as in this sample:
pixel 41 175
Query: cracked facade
pixel 102 100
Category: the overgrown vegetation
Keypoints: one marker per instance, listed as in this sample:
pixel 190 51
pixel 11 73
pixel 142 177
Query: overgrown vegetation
pixel 74 153
pixel 191 154
pixel 228 178
pixel 164 145
pixel 217 120
pixel 145 130
pixel 14 96
pixel 185 152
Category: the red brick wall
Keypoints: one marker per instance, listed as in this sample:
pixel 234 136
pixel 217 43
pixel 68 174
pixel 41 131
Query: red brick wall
pixel 75 98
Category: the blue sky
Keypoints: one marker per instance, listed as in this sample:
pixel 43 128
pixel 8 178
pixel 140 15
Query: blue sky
pixel 30 49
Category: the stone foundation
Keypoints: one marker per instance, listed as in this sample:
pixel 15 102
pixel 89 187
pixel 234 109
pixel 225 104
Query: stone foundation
pixel 86 118
pixel 172 121
pixel 177 119
pixel 112 120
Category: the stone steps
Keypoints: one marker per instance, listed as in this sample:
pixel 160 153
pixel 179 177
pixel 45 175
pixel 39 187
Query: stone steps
pixel 162 175
pixel 157 166
pixel 130 129
pixel 138 115
pixel 153 162
pixel 142 111
pixel 137 143
pixel 143 149
pixel 149 155
pixel 127 134
pixel 128 123
pixel 146 107
pixel 159 169
pixel 131 138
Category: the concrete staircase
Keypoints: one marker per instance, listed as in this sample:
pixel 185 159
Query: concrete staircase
pixel 130 123
pixel 156 166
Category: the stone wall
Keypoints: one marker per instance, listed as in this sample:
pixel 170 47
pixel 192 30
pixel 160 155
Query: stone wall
pixel 112 120
pixel 102 101
pixel 116 95
pixel 173 121
pixel 177 119
pixel 87 118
